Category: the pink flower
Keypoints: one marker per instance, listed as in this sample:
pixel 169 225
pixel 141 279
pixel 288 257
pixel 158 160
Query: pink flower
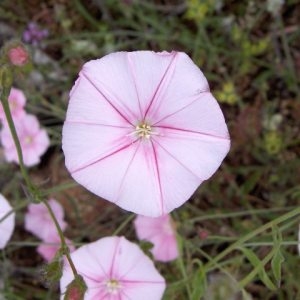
pixel 34 141
pixel 49 247
pixel 143 131
pixel 16 100
pixel 116 269
pixel 161 233
pixel 39 222
pixel 8 224
pixel 18 56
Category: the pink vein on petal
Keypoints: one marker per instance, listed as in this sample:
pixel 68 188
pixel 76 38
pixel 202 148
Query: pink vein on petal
pixel 160 84
pixel 104 96
pixel 96 258
pixel 184 166
pixel 126 171
pixel 142 281
pixel 88 277
pixel 111 271
pixel 158 177
pixel 179 110
pixel 194 131
pixel 132 268
pixel 133 75
pixel 95 124
pixel 125 294
pixel 102 158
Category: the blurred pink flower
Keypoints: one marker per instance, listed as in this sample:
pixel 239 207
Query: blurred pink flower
pixel 114 268
pixel 7 226
pixel 18 56
pixel 49 247
pixel 143 131
pixel 34 140
pixel 161 233
pixel 39 222
pixel 16 100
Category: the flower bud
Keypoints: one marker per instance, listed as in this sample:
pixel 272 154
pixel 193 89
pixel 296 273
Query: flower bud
pixel 6 78
pixel 18 56
pixel 76 289
pixel 53 271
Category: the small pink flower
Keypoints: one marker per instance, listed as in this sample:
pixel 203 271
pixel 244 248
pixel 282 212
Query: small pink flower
pixel 49 247
pixel 39 222
pixel 161 233
pixel 18 56
pixel 143 130
pixel 16 100
pixel 8 224
pixel 114 268
pixel 34 141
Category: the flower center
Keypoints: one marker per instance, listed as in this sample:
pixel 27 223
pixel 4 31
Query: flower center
pixel 144 130
pixel 28 140
pixel 113 286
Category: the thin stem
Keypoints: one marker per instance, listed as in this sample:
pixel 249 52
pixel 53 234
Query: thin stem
pixel 62 239
pixel 11 125
pixel 252 234
pixel 33 189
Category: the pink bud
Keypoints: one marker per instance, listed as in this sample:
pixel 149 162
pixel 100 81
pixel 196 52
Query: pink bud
pixel 203 234
pixel 18 56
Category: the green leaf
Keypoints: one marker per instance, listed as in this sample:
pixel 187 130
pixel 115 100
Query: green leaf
pixel 199 282
pixel 259 265
pixel 276 264
pixel 278 258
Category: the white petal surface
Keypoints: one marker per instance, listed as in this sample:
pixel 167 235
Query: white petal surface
pixel 8 224
pixel 182 83
pixel 148 70
pixel 87 143
pixel 115 83
pixel 88 106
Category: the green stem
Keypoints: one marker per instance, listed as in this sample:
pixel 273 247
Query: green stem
pixel 250 235
pixel 62 239
pixel 33 189
pixel 10 122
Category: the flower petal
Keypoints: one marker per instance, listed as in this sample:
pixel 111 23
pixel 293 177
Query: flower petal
pixel 8 224
pixel 83 144
pixel 149 71
pixel 182 83
pixel 161 233
pixel 114 258
pixel 114 84
pixel 203 115
pixel 88 105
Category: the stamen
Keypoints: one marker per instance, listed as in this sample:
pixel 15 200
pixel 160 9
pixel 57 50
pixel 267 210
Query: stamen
pixel 113 286
pixel 143 130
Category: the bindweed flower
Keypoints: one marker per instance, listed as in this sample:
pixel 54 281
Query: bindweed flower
pixel 161 233
pixel 143 130
pixel 16 100
pixel 18 55
pixel 114 268
pixel 39 222
pixel 48 249
pixel 34 34
pixel 7 225
pixel 34 141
